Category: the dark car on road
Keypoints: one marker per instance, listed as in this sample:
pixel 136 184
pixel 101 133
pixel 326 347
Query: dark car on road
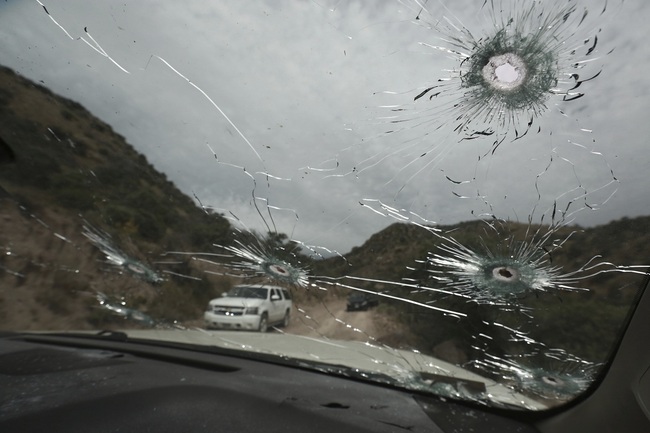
pixel 361 301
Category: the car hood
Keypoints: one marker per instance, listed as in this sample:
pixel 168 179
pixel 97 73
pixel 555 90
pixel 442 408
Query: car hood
pixel 410 369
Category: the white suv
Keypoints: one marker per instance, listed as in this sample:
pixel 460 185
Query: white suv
pixel 252 307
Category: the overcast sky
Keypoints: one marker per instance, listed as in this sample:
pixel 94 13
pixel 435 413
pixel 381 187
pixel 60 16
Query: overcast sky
pixel 298 90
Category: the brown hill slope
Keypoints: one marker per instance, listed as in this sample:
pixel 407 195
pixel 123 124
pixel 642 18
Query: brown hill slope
pixel 62 169
pixel 401 253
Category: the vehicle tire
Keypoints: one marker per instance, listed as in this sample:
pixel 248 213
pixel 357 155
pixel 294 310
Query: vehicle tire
pixel 287 319
pixel 264 323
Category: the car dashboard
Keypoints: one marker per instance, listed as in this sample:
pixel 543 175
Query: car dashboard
pixel 78 384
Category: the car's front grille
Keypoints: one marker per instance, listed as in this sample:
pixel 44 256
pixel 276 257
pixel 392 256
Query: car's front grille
pixel 228 311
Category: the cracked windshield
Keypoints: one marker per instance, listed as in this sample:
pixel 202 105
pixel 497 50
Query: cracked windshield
pixel 444 196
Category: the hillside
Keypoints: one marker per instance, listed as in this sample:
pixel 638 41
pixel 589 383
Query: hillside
pixel 388 253
pixel 62 169
pixel 398 254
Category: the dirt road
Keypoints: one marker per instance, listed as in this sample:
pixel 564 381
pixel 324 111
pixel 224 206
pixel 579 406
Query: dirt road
pixel 331 320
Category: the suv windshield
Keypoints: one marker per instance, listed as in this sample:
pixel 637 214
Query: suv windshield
pixel 476 170
pixel 247 292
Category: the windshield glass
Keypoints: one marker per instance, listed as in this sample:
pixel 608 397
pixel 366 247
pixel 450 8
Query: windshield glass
pixel 247 292
pixel 476 168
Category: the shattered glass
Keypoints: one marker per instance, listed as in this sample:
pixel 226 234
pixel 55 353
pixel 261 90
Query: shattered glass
pixel 476 169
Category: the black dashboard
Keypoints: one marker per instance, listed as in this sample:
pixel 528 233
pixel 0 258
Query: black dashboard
pixel 74 384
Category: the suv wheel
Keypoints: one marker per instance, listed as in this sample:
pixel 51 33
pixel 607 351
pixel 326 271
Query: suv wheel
pixel 264 323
